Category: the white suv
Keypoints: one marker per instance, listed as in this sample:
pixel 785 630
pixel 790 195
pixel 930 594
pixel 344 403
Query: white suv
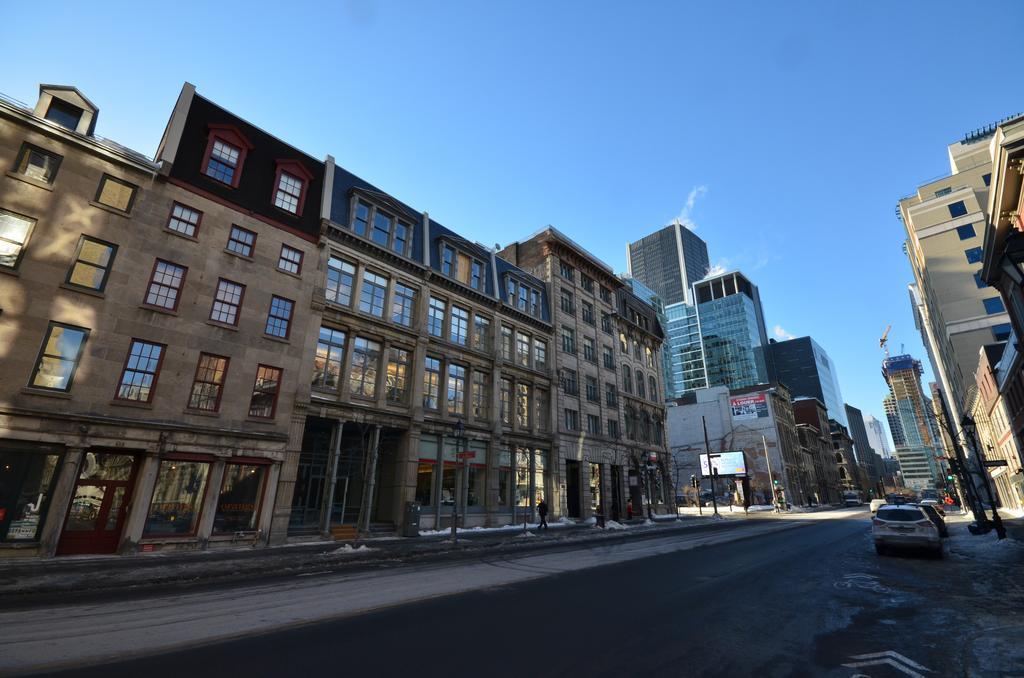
pixel 904 525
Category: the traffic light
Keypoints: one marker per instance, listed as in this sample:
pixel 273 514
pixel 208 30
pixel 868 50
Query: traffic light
pixel 775 481
pixel 949 477
pixel 694 482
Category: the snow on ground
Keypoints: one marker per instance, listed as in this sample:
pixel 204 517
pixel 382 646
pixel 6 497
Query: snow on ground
pixel 963 544
pixel 555 524
pixel 761 507
pixel 348 548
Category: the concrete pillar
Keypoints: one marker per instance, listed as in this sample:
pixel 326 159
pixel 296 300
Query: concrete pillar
pixel 209 510
pixel 404 476
pixel 145 481
pixel 60 499
pixel 279 501
pixel 268 508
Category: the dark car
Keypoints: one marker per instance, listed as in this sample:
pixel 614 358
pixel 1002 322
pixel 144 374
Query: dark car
pixel 934 516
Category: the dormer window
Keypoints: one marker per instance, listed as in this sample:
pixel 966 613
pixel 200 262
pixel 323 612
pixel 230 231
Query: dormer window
pixel 381 227
pixel 290 186
pixel 226 149
pixel 223 163
pixel 289 190
pixel 462 267
pixel 523 297
pixel 64 114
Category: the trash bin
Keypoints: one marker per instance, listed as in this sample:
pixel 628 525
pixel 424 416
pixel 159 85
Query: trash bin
pixel 411 520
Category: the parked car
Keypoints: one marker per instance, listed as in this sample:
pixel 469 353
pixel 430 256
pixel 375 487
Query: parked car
pixel 936 518
pixel 936 504
pixel 905 526
pixel 876 503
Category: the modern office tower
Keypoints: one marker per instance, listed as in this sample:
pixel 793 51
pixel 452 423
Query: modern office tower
pixel 877 436
pixel 911 422
pixel 955 311
pixel 803 366
pixel 732 327
pixel 669 261
pixel 685 351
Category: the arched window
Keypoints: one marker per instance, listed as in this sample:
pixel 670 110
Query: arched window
pixel 641 385
pixel 645 427
pixel 842 473
pixel 630 432
pixel 627 379
pixel 839 457
pixel 652 387
pixel 650 356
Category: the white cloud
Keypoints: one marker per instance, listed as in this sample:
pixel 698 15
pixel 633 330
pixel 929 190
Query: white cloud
pixel 718 268
pixel 781 333
pixel 684 217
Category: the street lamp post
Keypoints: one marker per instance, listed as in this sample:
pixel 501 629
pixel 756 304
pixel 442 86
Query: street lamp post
pixel 968 426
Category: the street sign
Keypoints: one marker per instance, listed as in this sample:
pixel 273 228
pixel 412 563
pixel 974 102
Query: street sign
pixel 470 454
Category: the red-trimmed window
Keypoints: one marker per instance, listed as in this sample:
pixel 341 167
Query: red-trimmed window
pixel 184 220
pixel 227 301
pixel 279 317
pixel 290 260
pixel 165 285
pixel 290 184
pixel 208 385
pixel 264 392
pixel 226 148
pixel 141 370
pixel 241 241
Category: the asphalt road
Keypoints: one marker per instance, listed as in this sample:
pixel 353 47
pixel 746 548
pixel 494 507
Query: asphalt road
pixel 796 602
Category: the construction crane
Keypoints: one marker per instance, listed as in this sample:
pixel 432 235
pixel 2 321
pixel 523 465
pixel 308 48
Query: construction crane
pixel 883 343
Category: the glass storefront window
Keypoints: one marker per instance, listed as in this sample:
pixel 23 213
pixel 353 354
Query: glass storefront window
pixel 522 472
pixel 103 466
pixel 477 486
pixel 239 498
pixel 540 458
pixel 425 483
pixel 595 487
pixel 448 489
pixel 26 481
pixel 177 498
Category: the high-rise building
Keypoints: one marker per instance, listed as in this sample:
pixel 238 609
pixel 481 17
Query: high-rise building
pixel 877 437
pixel 803 366
pixel 911 422
pixel 954 309
pixel 669 261
pixel 685 351
pixel 732 329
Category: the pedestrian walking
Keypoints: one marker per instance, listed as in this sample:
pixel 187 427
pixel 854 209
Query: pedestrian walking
pixel 542 511
pixel 629 510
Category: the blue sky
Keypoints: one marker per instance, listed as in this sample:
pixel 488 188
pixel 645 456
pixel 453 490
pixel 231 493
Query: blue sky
pixel 794 126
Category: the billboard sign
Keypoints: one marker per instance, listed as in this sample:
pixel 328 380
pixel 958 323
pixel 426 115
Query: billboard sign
pixel 726 463
pixel 753 406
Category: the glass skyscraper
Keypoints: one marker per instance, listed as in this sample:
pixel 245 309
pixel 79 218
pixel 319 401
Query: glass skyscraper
pixel 806 370
pixel 732 327
pixel 685 349
pixel 669 261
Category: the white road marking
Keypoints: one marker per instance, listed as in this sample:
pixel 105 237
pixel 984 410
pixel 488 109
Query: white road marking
pixel 891 658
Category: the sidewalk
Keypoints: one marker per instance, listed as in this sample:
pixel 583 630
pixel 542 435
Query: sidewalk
pixel 34 580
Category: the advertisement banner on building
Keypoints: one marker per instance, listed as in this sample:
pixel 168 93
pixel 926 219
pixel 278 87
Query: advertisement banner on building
pixel 726 463
pixel 749 406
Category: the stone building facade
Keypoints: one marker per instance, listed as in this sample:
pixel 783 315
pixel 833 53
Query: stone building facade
pixel 815 436
pixel 153 331
pixel 612 455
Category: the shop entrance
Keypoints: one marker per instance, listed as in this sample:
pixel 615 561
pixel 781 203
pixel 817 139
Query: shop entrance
pixel 572 488
pixel 98 508
pixel 616 492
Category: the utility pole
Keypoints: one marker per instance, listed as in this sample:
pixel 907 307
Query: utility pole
pixel 714 471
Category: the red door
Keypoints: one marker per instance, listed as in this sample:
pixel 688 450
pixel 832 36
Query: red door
pixel 99 505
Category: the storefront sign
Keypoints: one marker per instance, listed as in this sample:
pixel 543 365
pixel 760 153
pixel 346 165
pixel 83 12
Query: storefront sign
pixel 724 463
pixel 749 406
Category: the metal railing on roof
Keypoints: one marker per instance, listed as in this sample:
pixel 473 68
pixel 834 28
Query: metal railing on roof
pixel 986 130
